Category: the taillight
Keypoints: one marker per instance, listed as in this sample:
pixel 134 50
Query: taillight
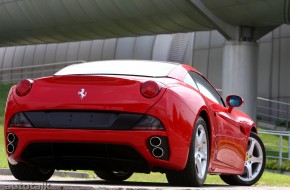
pixel 24 87
pixel 19 120
pixel 150 89
pixel 149 123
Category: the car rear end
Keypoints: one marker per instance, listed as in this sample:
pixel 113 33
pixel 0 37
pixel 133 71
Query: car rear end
pixel 103 121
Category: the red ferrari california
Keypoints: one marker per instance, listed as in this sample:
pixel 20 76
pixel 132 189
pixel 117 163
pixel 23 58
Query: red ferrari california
pixel 126 116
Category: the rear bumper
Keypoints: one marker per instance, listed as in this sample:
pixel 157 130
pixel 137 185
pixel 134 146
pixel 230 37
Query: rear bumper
pixel 122 142
pixel 178 130
pixel 87 156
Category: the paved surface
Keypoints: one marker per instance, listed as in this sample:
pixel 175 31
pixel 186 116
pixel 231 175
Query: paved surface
pixel 6 171
pixel 63 180
pixel 57 183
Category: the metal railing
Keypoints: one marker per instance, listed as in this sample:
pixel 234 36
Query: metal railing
pixel 277 145
pixel 15 74
pixel 273 112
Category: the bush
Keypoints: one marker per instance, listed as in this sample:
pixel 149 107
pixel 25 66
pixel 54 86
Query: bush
pixel 282 123
pixel 274 165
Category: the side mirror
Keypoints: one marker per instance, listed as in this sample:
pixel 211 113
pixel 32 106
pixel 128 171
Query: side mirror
pixel 234 101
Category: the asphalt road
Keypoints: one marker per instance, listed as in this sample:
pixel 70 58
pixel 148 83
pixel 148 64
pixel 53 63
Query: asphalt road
pixel 57 183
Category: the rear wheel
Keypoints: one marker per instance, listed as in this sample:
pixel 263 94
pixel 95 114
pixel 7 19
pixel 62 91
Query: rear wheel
pixel 113 175
pixel 30 173
pixel 195 171
pixel 254 164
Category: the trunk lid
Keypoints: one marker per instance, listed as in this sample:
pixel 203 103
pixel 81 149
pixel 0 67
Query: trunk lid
pixel 79 92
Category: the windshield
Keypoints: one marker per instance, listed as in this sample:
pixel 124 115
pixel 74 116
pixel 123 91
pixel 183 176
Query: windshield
pixel 120 67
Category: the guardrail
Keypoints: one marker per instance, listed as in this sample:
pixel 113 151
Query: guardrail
pixel 276 148
pixel 272 111
pixel 15 74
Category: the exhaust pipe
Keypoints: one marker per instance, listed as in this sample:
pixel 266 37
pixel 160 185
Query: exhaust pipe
pixel 158 147
pixel 157 152
pixel 10 148
pixel 155 141
pixel 11 137
pixel 12 143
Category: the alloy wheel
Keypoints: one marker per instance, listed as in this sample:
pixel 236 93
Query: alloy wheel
pixel 201 151
pixel 254 160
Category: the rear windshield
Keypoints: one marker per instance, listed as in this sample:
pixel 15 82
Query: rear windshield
pixel 120 67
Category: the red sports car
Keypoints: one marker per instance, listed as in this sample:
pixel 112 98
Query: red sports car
pixel 121 117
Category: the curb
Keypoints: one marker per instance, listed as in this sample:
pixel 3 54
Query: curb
pixel 6 171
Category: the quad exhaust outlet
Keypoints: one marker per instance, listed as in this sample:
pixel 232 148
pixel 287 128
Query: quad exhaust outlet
pixel 11 137
pixel 12 142
pixel 158 147
pixel 157 151
pixel 10 148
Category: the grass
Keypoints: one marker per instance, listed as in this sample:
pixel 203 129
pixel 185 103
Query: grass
pixel 3 159
pixel 271 143
pixel 4 89
pixel 268 179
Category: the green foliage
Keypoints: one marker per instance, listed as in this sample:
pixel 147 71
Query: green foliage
pixel 4 90
pixel 3 159
pixel 282 123
pixel 267 179
pixel 274 179
pixel 272 144
pixel 285 166
pixel 274 165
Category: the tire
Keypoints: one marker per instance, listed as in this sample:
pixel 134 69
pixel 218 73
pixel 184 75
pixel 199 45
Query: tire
pixel 30 173
pixel 113 176
pixel 195 171
pixel 254 164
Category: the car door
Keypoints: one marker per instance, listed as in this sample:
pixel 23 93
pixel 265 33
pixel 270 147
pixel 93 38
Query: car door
pixel 229 140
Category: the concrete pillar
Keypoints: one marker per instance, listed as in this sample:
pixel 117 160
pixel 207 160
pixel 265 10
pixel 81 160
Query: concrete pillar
pixel 240 73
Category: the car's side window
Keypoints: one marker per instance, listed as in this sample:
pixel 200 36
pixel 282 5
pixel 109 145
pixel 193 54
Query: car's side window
pixel 188 80
pixel 206 88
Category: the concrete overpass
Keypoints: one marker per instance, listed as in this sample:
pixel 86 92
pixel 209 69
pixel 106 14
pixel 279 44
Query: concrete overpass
pixel 47 21
pixel 241 22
